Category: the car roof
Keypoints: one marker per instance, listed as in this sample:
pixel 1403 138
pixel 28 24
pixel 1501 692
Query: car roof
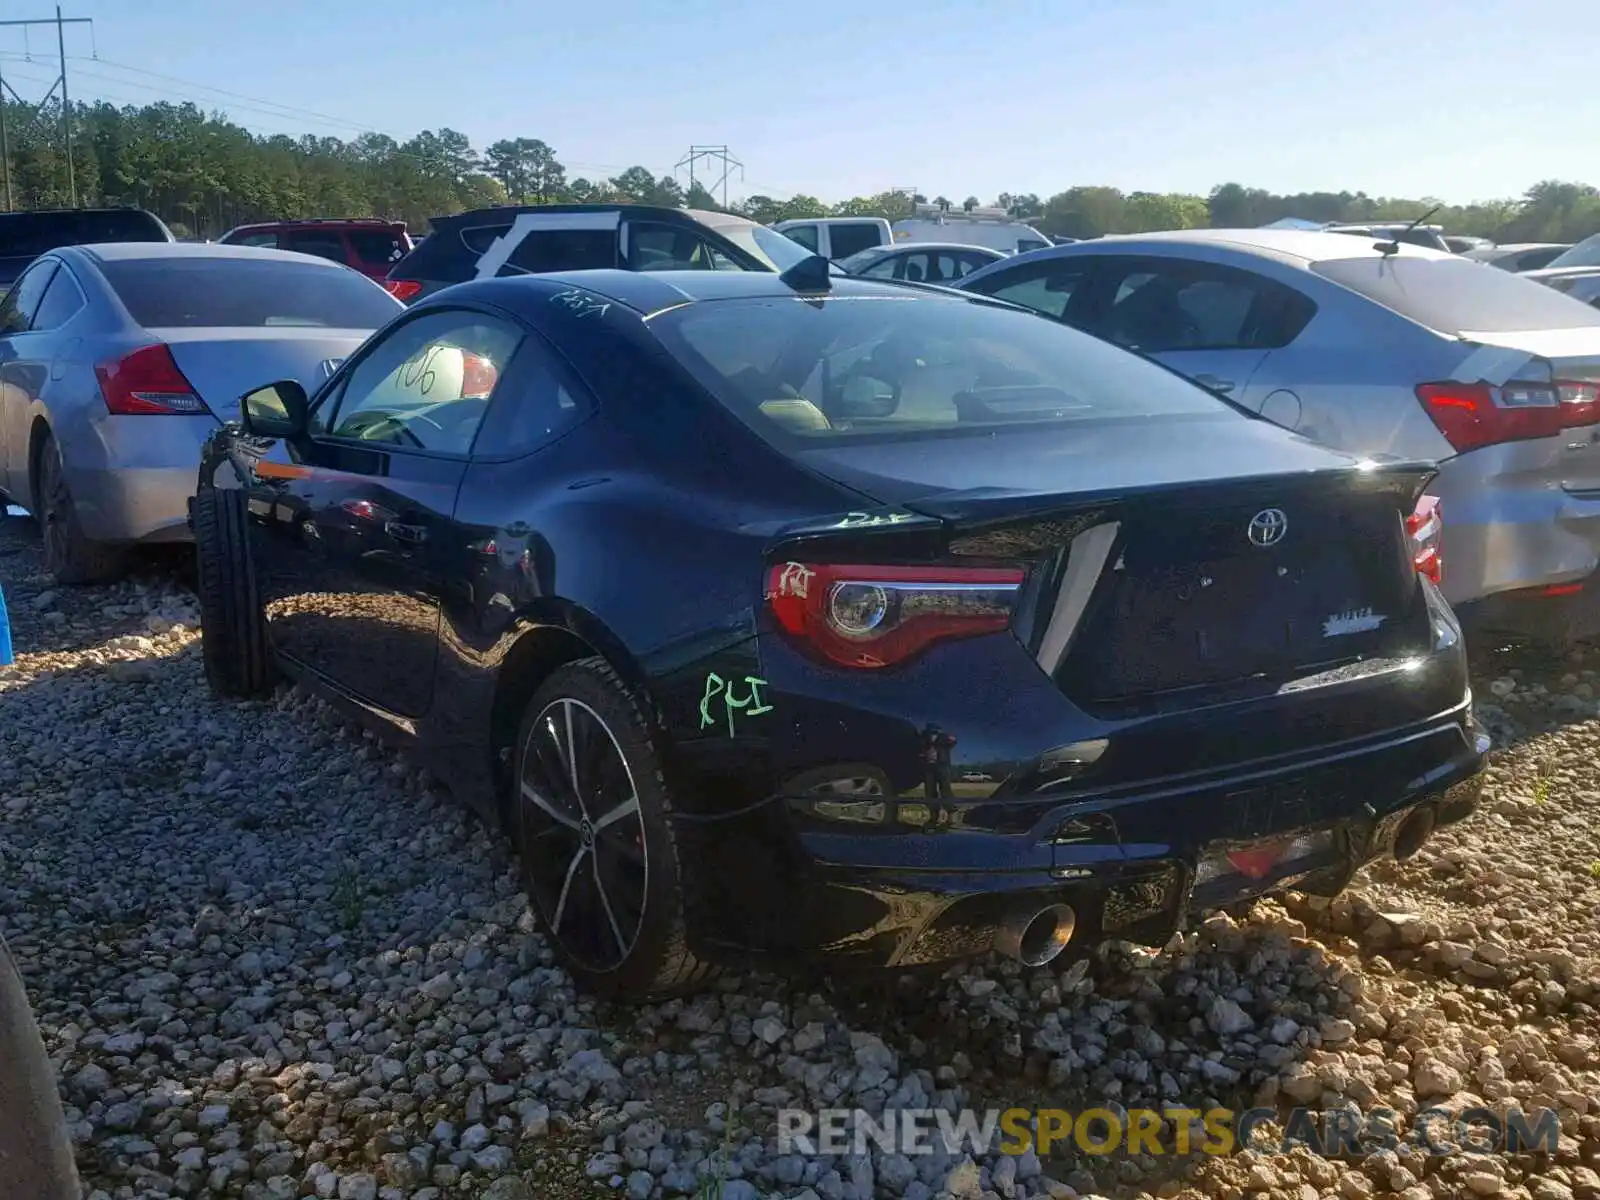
pixel 1294 247
pixel 321 223
pixel 650 292
pixel 652 211
pixel 907 247
pixel 133 251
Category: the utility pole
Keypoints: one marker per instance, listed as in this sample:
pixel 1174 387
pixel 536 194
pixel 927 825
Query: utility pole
pixel 716 154
pixel 60 23
pixel 5 145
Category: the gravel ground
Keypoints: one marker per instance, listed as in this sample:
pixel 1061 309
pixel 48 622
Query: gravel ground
pixel 272 961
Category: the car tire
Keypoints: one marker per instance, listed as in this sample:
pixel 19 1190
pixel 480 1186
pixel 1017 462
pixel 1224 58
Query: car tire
pixel 69 556
pixel 238 661
pixel 599 859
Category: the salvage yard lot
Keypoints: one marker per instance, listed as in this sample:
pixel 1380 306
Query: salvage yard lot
pixel 270 960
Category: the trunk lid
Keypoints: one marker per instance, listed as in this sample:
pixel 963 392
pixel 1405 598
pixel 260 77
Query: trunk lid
pixel 962 478
pixel 224 364
pixel 1177 566
pixel 1570 460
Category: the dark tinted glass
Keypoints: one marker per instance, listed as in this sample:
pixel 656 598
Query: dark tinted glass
pixel 563 250
pixel 851 239
pixel 377 247
pixel 323 244
pixel 175 292
pixel 38 233
pixel 62 300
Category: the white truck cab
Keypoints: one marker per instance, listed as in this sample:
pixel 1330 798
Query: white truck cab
pixel 837 237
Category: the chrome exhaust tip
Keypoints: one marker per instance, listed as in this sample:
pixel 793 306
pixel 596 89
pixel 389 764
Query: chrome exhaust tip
pixel 1413 831
pixel 1035 938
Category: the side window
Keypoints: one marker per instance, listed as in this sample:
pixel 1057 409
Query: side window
pixel 428 384
pixel 540 403
pixel 850 239
pixel 914 267
pixel 544 250
pixel 942 267
pixel 480 237
pixel 323 245
pixel 1182 305
pixel 1045 287
pixel 806 235
pixel 891 266
pixel 63 299
pixel 22 301
pixel 656 247
pixel 268 241
pixel 971 262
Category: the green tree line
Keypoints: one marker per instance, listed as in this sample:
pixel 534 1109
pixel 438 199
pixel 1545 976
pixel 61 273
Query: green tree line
pixel 203 173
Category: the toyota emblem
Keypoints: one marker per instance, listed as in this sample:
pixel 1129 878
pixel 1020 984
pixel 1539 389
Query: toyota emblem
pixel 1267 527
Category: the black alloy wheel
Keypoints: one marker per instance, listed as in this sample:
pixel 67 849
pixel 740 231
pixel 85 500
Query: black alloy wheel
pixel 598 858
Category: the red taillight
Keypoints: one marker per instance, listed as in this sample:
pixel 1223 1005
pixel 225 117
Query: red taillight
pixel 478 377
pixel 1471 415
pixel 147 383
pixel 1425 526
pixel 869 617
pixel 402 289
pixel 1580 403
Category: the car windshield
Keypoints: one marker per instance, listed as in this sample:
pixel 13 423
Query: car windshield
pixel 886 366
pixel 164 293
pixel 1456 295
pixel 1585 254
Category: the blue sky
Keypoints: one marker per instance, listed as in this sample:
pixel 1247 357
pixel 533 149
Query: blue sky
pixel 1410 97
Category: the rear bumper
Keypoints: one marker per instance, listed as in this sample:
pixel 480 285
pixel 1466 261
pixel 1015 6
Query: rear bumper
pixel 144 504
pixel 131 477
pixel 1557 614
pixel 1506 540
pixel 1135 864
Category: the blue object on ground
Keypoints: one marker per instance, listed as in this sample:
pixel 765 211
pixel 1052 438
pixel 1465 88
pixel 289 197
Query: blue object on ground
pixel 6 657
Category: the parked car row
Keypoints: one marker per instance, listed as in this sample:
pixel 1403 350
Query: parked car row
pixel 772 609
pixel 1380 349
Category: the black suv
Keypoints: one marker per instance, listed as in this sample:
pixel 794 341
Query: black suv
pixel 26 235
pixel 535 239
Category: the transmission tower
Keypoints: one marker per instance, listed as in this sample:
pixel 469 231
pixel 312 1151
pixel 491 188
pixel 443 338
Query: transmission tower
pixel 60 23
pixel 717 155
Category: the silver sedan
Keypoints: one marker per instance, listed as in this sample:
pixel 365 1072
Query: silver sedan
pixel 117 360
pixel 1379 348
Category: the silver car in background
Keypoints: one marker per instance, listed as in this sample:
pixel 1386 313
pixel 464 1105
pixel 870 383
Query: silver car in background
pixel 117 360
pixel 1379 348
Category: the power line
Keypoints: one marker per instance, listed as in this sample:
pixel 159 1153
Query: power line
pixel 273 108
pixel 713 154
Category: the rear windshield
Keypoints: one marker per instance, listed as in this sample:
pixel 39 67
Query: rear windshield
pixel 767 245
pixel 168 293
pixel 1455 295
pixel 852 367
pixel 863 258
pixel 1585 254
pixel 39 233
pixel 377 247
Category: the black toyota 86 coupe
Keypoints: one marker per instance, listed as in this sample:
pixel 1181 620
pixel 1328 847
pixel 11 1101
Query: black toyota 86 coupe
pixel 807 616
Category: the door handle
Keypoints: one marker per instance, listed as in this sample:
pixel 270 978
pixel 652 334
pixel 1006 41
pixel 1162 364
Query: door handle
pixel 1215 384
pixel 402 532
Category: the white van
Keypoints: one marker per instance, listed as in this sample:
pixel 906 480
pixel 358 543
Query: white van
pixel 980 227
pixel 837 237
